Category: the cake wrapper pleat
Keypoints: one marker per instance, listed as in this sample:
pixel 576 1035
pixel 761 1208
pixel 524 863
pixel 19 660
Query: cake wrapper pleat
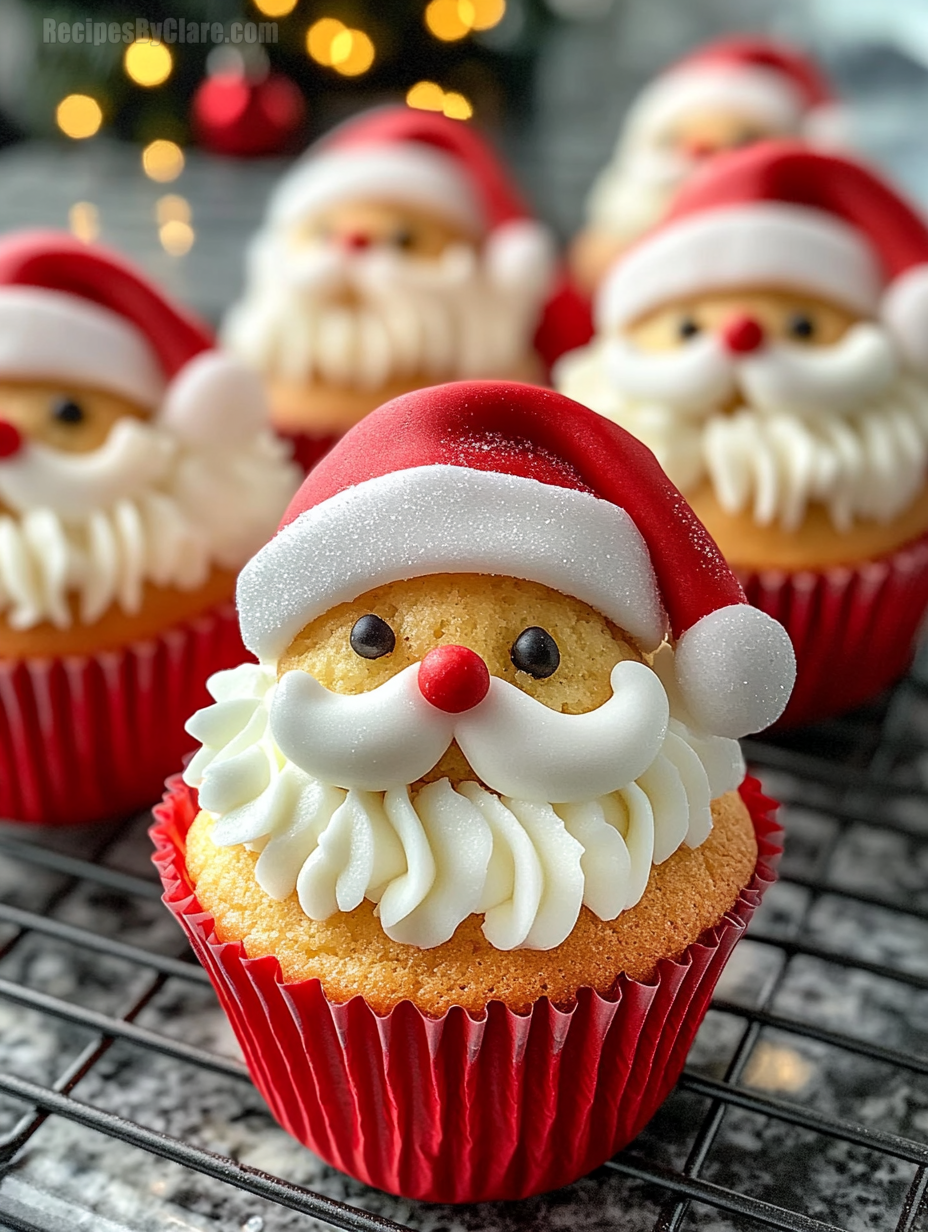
pixel 463 1107
pixel 854 628
pixel 91 737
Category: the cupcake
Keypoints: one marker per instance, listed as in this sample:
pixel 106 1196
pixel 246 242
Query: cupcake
pixel 770 343
pixel 395 253
pixel 730 93
pixel 464 852
pixel 136 477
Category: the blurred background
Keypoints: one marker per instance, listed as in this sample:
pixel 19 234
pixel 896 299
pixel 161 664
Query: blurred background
pixel 160 125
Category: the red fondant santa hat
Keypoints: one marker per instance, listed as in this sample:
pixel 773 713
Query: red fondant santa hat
pixel 499 478
pixel 783 216
pixel 757 77
pixel 79 314
pixel 406 156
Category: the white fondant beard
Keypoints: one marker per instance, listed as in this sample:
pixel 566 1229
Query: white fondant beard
pixel 144 507
pixel 508 847
pixel 361 320
pixel 837 425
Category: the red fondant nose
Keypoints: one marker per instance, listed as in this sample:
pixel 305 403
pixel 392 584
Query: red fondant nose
pixel 699 149
pixel 453 678
pixel 11 439
pixel 356 241
pixel 742 334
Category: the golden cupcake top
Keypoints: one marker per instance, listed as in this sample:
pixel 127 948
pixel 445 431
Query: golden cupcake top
pixel 502 672
pixel 134 458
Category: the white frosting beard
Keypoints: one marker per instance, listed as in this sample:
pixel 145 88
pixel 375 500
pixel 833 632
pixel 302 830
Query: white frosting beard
pixel 429 863
pixel 867 463
pixel 168 513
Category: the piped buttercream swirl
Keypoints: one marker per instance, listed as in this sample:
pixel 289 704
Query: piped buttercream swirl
pixel 431 857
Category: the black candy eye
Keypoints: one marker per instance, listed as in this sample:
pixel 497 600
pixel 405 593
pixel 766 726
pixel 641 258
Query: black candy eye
pixel 403 238
pixel 372 638
pixel 688 328
pixel 67 411
pixel 800 325
pixel 535 651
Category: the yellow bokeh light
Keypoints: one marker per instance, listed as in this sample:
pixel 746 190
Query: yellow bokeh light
pixel 79 116
pixel 162 161
pixel 84 221
pixel 456 106
pixel 487 13
pixel 352 53
pixel 176 237
pixel 446 20
pixel 275 8
pixel 319 39
pixel 172 208
pixel 148 64
pixel 426 96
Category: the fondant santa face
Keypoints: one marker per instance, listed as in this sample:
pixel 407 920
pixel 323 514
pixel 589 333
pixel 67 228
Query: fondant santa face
pixel 796 393
pixel 732 93
pixel 130 463
pixel 391 263
pixel 489 726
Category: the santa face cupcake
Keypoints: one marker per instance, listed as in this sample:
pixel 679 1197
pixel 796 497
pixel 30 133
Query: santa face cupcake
pixel 768 343
pixel 476 792
pixel 136 477
pixel 396 253
pixel 731 93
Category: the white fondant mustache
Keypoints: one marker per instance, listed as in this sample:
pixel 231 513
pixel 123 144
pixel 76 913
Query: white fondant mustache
pixel 779 376
pixel 133 456
pixel 391 736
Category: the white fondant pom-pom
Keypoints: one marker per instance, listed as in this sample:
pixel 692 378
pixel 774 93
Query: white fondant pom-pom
pixel 905 313
pixel 735 669
pixel 215 399
pixel 521 253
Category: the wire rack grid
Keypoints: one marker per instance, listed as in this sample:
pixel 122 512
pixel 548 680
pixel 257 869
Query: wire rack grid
pixel 804 1105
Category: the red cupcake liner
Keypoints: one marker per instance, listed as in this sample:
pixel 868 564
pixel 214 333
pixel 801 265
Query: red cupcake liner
pixel 854 627
pixel 90 737
pixel 461 1108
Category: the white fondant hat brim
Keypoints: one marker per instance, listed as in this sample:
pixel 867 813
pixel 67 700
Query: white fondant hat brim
pixel 407 173
pixel 774 245
pixel 448 519
pixel 52 336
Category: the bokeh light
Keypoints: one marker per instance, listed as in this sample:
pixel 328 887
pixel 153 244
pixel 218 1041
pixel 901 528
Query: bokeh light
pixel 84 221
pixel 176 237
pixel 456 106
pixel 148 64
pixel 275 8
pixel 426 96
pixel 172 208
pixel 162 161
pixel 487 13
pixel 445 21
pixel 78 116
pixel 352 53
pixel 429 96
pixel 320 37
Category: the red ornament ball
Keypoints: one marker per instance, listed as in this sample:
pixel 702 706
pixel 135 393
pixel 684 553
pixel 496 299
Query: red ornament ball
pixel 234 115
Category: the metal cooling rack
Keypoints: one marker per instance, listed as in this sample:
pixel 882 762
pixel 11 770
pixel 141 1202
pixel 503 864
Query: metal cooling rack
pixel 804 1105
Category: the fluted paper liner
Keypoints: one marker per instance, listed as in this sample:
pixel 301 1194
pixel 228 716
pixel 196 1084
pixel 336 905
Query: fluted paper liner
pixel 91 737
pixel 461 1108
pixel 854 628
